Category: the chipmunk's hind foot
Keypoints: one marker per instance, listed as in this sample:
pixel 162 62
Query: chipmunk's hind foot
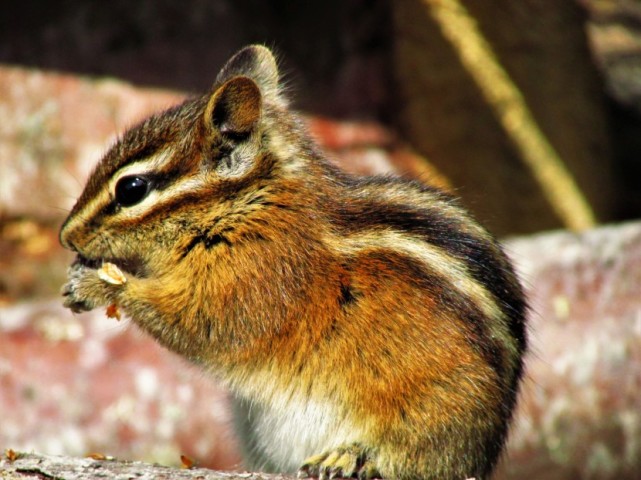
pixel 342 462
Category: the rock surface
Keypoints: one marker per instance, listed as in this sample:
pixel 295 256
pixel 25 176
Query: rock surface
pixel 28 466
pixel 580 413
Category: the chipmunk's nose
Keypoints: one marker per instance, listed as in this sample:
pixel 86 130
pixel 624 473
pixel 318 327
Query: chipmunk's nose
pixel 66 237
pixel 66 243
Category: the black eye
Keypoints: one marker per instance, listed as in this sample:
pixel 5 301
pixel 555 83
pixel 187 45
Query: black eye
pixel 131 190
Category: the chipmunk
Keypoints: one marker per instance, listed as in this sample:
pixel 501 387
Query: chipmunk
pixel 366 326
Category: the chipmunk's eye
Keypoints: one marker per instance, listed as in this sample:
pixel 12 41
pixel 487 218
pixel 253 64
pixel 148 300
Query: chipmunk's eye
pixel 131 190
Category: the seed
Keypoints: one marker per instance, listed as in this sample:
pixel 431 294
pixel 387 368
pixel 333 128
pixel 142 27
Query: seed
pixel 111 274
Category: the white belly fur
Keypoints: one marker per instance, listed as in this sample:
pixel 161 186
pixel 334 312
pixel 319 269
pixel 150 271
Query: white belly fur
pixel 292 428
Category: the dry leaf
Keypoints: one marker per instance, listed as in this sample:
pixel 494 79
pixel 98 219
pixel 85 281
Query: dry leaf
pixel 186 461
pixel 97 456
pixel 113 311
pixel 11 454
pixel 111 274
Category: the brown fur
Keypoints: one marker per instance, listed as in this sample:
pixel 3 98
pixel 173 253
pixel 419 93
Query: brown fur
pixel 367 326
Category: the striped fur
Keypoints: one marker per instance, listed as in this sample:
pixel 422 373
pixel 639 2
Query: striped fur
pixel 367 325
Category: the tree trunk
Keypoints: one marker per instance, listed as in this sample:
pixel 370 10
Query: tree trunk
pixel 444 113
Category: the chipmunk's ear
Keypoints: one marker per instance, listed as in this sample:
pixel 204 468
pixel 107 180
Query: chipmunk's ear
pixel 234 108
pixel 255 62
pixel 248 78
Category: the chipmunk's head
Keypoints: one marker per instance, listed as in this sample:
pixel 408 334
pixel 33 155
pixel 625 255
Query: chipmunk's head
pixel 185 176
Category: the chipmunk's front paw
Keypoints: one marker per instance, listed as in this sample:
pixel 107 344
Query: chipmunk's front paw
pixel 343 462
pixel 85 290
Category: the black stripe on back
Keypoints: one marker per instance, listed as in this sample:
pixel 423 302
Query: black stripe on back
pixel 486 261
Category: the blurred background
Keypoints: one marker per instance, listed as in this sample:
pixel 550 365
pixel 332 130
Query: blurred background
pixel 530 111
